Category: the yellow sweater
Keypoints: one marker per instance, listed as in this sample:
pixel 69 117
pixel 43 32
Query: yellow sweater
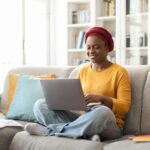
pixel 113 82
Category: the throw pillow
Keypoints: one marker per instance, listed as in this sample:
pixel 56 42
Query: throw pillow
pixel 13 80
pixel 28 90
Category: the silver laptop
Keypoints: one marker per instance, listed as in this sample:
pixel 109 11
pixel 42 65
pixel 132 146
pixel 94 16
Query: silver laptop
pixel 63 94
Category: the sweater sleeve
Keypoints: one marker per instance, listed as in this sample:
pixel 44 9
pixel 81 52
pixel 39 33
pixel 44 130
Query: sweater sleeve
pixel 121 104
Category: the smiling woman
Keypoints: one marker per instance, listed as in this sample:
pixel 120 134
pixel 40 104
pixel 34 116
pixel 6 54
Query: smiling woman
pixel 103 83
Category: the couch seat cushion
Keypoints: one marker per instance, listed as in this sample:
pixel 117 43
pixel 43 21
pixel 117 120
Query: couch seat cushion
pixel 127 145
pixel 24 141
pixel 6 135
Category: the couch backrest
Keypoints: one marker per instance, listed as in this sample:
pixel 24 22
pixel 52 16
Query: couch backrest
pixel 61 72
pixel 145 118
pixel 138 76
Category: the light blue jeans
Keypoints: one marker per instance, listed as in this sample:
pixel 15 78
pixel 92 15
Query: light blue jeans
pixel 98 120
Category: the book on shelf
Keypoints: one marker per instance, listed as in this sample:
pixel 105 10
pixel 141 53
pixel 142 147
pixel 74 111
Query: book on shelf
pixel 136 39
pixel 140 138
pixel 103 8
pixel 107 7
pixel 80 16
pixel 80 41
pixel 111 8
pixel 136 6
pixel 74 17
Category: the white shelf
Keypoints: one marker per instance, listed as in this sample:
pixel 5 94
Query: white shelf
pixel 78 25
pixel 78 1
pixel 106 18
pixel 137 48
pixel 136 15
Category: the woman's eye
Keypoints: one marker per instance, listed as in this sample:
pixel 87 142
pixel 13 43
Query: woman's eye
pixel 93 47
pixel 88 47
pixel 96 47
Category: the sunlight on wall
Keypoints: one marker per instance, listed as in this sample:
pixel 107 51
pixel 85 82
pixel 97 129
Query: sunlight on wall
pixel 36 31
pixel 10 36
pixel 26 20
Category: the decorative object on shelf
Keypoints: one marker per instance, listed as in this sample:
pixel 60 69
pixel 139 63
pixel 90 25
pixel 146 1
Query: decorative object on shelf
pixel 80 16
pixel 135 39
pixel 110 7
pixel 74 17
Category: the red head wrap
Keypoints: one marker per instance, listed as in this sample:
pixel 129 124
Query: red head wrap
pixel 103 33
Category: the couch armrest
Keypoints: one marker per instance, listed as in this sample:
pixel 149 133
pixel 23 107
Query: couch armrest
pixel 0 101
pixel 0 97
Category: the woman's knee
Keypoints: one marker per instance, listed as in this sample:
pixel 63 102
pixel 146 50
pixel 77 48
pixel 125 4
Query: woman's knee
pixel 103 113
pixel 39 105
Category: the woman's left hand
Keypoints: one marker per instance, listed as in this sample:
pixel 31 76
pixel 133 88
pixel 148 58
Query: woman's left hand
pixel 93 98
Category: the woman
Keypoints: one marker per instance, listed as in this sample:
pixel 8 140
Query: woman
pixel 102 82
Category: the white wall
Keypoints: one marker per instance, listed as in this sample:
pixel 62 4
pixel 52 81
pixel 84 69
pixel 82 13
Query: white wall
pixel 10 36
pixel 58 38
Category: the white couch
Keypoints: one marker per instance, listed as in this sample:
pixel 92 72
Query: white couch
pixel 137 120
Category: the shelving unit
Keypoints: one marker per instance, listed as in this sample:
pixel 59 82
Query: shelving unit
pixel 127 22
pixel 77 23
pixel 137 32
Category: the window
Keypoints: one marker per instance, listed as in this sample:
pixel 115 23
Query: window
pixel 36 18
pixel 24 34
pixel 10 36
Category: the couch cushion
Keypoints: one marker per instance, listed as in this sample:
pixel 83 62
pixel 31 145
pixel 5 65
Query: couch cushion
pixel 13 80
pixel 138 75
pixel 61 72
pixel 6 135
pixel 24 141
pixel 127 145
pixel 28 91
pixel 74 72
pixel 145 121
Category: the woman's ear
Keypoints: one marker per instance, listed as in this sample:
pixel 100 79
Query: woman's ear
pixel 106 47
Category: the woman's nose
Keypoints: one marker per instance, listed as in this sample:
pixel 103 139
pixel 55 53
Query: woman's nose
pixel 92 49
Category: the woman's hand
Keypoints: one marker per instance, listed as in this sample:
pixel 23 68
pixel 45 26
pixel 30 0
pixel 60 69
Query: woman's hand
pixel 93 98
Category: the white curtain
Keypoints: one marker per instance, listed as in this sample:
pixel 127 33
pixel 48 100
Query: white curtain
pixel 36 31
pixel 24 34
pixel 10 36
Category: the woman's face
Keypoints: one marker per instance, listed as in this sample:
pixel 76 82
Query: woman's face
pixel 97 49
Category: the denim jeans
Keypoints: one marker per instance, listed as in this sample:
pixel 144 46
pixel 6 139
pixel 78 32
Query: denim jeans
pixel 98 120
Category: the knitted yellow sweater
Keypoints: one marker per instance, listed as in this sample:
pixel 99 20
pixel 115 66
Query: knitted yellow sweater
pixel 113 82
